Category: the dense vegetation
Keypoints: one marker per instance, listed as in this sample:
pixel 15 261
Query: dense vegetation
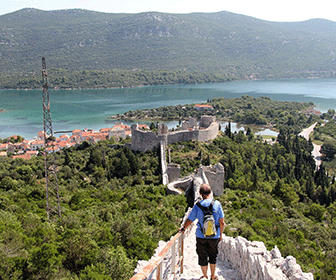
pixel 325 133
pixel 114 211
pixel 245 110
pixel 61 78
pixel 234 45
pixel 273 194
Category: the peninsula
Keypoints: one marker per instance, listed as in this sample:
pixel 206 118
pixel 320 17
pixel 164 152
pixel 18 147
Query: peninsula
pixel 245 110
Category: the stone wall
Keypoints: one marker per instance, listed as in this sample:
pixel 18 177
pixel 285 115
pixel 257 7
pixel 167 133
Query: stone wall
pixel 207 120
pixel 173 171
pixel 146 140
pixel 215 176
pixel 180 186
pixel 182 135
pixel 252 261
pixel 164 168
pixel 207 134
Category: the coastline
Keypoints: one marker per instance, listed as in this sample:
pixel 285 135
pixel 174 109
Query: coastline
pixel 270 78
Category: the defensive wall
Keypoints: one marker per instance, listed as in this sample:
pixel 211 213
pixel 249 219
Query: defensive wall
pixel 143 140
pixel 250 259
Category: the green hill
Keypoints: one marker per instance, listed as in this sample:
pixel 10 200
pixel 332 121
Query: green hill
pixel 199 42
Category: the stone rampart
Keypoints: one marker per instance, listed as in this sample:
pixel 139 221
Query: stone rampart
pixel 252 261
pixel 182 135
pixel 146 140
pixel 164 173
pixel 207 134
pixel 206 120
pixel 215 176
pixel 173 171
pixel 180 186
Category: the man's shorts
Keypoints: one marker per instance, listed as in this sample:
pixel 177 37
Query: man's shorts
pixel 207 250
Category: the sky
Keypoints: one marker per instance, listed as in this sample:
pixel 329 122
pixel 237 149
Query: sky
pixel 273 10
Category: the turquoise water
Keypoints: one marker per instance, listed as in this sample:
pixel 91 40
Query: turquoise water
pixel 72 109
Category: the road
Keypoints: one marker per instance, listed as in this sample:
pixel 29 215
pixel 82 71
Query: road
pixel 316 150
pixel 306 132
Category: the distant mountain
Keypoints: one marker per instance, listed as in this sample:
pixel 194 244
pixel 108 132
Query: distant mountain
pixel 205 42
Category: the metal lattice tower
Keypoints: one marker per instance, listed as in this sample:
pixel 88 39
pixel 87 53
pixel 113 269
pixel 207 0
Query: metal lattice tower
pixel 50 167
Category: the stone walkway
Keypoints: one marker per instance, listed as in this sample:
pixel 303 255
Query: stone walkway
pixel 192 270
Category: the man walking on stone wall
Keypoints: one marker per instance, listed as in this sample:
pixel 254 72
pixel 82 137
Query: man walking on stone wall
pixel 209 230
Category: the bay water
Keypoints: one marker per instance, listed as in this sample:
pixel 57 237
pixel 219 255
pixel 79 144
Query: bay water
pixel 89 108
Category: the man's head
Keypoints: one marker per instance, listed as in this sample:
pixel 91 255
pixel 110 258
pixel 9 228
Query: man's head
pixel 205 190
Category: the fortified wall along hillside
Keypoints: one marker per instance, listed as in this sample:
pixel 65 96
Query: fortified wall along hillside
pixel 206 130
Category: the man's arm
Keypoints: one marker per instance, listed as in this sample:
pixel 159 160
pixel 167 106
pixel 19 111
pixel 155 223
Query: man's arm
pixel 221 228
pixel 186 224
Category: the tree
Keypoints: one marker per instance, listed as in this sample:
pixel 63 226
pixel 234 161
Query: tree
pixel 328 150
pixel 206 160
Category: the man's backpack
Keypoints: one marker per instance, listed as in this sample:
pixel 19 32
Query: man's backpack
pixel 209 228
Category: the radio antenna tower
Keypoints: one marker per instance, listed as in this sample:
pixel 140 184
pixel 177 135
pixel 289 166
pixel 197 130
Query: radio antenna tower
pixel 50 167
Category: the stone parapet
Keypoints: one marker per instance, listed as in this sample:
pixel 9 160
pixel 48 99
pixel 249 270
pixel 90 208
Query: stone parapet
pixel 146 140
pixel 254 262
pixel 207 120
pixel 215 176
pixel 173 171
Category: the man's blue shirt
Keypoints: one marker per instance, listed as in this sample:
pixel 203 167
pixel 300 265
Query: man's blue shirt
pixel 196 213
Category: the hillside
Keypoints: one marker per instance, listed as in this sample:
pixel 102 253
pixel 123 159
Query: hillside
pixel 114 209
pixel 203 42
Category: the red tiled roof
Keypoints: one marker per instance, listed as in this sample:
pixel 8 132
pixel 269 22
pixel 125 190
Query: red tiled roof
pixel 32 153
pixel 76 131
pixel 3 146
pixel 121 126
pixel 37 142
pixel 24 156
pixel 203 106
pixel 63 144
pixel 105 129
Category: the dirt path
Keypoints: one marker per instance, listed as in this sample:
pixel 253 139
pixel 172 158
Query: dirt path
pixel 316 150
pixel 317 155
pixel 192 270
pixel 306 132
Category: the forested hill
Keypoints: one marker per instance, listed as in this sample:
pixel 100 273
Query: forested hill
pixel 220 42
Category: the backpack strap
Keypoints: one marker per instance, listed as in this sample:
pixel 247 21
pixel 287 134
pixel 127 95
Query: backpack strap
pixel 204 208
pixel 201 207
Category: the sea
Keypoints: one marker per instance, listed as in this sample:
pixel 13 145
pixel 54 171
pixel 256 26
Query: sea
pixel 90 108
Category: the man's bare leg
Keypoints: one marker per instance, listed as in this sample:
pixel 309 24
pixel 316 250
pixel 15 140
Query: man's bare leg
pixel 205 270
pixel 213 270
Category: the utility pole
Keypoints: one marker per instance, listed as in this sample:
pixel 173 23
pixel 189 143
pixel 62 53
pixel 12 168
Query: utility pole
pixel 50 167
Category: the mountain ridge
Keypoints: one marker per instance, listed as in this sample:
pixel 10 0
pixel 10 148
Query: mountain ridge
pixel 77 39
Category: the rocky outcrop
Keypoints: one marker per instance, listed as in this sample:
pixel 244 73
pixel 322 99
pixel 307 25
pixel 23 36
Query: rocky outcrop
pixel 254 262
